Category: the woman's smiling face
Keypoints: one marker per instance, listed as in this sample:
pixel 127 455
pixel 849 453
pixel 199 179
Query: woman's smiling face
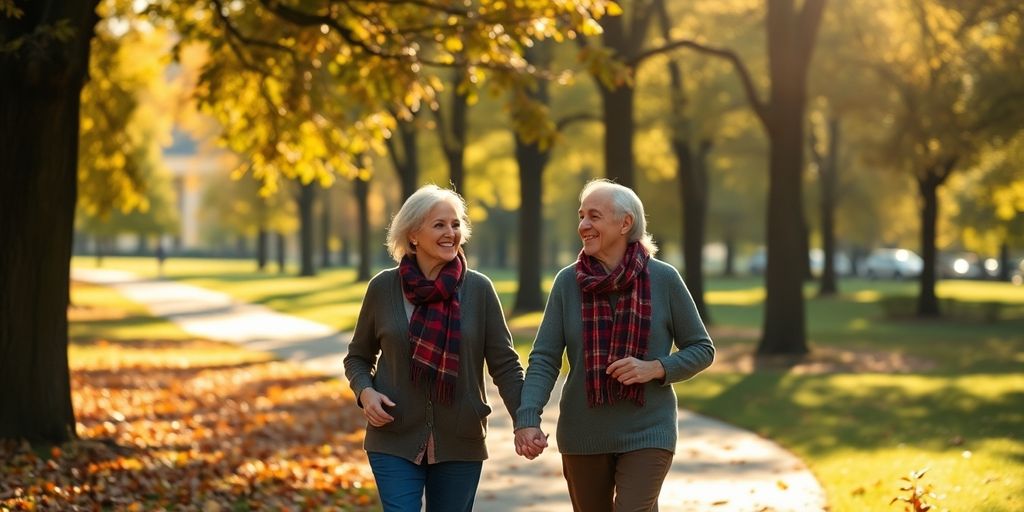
pixel 603 235
pixel 437 240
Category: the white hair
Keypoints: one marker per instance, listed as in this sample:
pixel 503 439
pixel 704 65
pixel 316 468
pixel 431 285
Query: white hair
pixel 414 212
pixel 625 202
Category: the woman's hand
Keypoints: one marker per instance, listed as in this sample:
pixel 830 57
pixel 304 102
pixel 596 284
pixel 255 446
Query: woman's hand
pixel 630 370
pixel 373 407
pixel 530 442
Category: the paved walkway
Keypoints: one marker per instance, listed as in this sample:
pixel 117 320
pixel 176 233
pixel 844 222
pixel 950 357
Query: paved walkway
pixel 717 467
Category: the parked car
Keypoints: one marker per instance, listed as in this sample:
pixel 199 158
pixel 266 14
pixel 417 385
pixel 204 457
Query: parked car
pixel 893 264
pixel 1017 274
pixel 961 265
pixel 758 262
pixel 840 263
pixel 843 266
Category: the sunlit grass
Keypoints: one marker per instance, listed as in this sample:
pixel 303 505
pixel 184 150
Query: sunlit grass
pixel 861 432
pixel 107 330
pixel 332 298
pixel 100 313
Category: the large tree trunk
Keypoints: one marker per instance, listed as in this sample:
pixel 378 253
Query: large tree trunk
pixel 927 302
pixel 784 330
pixel 40 88
pixel 791 33
pixel 361 189
pixel 306 197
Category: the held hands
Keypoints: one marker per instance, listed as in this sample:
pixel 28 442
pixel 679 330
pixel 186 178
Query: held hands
pixel 630 370
pixel 530 442
pixel 373 407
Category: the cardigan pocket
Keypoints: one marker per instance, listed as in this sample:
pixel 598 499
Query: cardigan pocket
pixel 472 420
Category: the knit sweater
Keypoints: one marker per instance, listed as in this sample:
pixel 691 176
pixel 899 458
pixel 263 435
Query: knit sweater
pixel 379 356
pixel 621 426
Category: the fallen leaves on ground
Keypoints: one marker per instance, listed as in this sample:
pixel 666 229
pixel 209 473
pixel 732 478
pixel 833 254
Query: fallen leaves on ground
pixel 264 435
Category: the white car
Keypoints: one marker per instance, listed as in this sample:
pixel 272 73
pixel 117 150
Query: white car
pixel 893 264
pixel 841 263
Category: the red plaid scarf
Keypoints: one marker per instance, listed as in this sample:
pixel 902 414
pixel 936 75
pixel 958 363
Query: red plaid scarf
pixel 606 338
pixel 434 330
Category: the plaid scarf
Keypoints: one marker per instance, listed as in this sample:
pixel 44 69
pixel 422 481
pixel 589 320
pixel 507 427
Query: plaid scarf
pixel 608 338
pixel 434 330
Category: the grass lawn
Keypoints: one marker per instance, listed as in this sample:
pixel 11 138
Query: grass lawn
pixel 888 397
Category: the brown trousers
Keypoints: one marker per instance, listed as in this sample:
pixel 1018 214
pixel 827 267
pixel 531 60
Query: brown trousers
pixel 616 482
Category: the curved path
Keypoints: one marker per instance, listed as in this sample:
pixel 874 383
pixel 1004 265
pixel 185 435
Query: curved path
pixel 717 467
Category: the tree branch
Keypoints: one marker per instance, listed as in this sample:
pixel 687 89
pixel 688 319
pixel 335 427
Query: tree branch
pixel 756 104
pixel 566 121
pixel 234 32
pixel 445 7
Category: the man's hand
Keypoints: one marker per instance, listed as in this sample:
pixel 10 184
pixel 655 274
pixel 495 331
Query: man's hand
pixel 373 407
pixel 530 442
pixel 630 370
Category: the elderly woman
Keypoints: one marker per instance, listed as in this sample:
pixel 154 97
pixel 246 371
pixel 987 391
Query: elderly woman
pixel 616 313
pixel 416 360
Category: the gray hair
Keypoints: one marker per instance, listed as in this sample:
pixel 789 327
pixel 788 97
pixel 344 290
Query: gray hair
pixel 415 210
pixel 626 202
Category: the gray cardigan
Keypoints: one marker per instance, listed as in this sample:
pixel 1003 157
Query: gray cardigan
pixel 621 426
pixel 379 356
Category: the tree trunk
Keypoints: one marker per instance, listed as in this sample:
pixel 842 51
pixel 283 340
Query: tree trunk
pixel 927 302
pixel 617 99
pixel 325 229
pixel 791 35
pixel 306 197
pixel 406 162
pixel 532 160
pixel 618 135
pixel 828 169
pixel 693 193
pixel 282 248
pixel 730 256
pixel 456 148
pixel 40 88
pixel 346 250
pixel 1004 262
pixel 692 179
pixel 362 193
pixel 785 330
pixel 261 249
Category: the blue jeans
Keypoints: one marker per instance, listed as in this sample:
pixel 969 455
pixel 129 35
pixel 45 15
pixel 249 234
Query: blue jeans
pixel 449 486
